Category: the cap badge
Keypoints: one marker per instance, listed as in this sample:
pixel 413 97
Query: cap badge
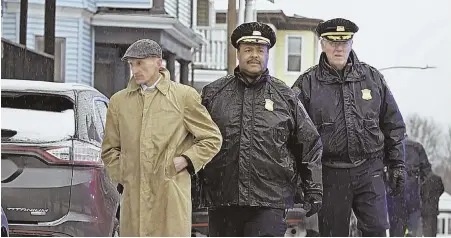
pixel 340 28
pixel 256 33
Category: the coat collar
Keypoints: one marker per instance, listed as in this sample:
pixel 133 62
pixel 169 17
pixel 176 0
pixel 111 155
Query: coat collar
pixel 353 70
pixel 162 85
pixel 262 78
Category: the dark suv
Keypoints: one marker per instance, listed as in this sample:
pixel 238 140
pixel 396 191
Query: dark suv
pixel 53 180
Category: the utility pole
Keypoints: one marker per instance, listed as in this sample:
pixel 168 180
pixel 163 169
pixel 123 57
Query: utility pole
pixel 231 25
pixel 241 12
pixel 250 10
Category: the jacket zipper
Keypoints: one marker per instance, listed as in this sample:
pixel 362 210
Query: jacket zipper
pixel 241 136
pixel 251 143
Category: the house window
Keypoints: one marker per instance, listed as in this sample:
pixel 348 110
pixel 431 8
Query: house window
pixel 203 12
pixel 294 53
pixel 60 56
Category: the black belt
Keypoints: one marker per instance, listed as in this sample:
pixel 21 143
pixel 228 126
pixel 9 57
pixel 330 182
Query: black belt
pixel 343 165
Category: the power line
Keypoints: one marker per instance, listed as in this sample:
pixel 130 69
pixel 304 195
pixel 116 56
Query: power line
pixel 408 67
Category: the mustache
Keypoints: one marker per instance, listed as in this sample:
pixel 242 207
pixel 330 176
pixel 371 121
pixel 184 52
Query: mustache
pixel 253 61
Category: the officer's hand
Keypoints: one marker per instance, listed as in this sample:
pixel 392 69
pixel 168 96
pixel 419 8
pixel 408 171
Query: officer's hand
pixel 315 202
pixel 396 182
pixel 298 199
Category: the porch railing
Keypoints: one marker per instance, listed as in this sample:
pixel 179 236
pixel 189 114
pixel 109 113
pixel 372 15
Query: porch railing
pixel 214 54
pixel 20 62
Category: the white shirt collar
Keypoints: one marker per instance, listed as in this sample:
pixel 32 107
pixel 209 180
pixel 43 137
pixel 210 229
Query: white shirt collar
pixel 145 87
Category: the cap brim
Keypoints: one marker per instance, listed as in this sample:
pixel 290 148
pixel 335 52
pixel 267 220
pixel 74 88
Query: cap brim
pixel 125 58
pixel 338 38
pixel 258 41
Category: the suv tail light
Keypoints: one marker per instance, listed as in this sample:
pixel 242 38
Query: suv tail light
pixel 83 153
pixel 68 152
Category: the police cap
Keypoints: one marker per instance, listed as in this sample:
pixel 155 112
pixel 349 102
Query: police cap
pixel 142 49
pixel 253 33
pixel 337 29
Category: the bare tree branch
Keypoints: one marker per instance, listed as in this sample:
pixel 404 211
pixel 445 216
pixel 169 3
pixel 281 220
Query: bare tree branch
pixel 447 150
pixel 427 132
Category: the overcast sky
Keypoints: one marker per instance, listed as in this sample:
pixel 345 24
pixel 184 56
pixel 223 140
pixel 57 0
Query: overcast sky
pixel 394 33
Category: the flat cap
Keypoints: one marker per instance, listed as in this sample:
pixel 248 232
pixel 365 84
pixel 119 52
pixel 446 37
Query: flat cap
pixel 142 49
pixel 254 33
pixel 337 29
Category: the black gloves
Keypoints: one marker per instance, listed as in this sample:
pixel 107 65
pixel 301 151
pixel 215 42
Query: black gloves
pixel 298 198
pixel 314 200
pixel 396 180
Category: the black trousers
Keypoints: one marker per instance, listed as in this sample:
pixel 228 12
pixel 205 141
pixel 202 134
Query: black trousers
pixel 429 225
pixel 397 213
pixel 246 221
pixel 402 217
pixel 361 189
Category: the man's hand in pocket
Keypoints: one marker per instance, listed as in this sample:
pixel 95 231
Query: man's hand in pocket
pixel 180 163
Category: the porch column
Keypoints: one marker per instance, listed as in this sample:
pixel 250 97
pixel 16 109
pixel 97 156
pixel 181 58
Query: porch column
pixel 170 64
pixel 184 71
pixel 23 21
pixel 49 27
pixel 157 7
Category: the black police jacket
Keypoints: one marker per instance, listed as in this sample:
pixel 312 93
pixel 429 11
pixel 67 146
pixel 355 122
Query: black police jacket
pixel 354 112
pixel 417 163
pixel 418 169
pixel 431 190
pixel 268 141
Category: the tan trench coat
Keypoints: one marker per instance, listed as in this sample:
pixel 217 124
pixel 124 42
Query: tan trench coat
pixel 143 133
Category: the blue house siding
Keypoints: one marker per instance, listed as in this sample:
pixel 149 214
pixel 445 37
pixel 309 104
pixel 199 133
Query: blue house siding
pixel 76 30
pixel 125 4
pixel 9 28
pixel 86 52
pixel 63 3
pixel 90 5
pixel 171 7
pixel 185 12
pixel 66 28
pixel 184 7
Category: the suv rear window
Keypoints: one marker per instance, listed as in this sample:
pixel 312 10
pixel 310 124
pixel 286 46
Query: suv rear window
pixel 32 117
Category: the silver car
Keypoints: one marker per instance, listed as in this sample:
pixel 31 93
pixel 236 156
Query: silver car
pixel 53 180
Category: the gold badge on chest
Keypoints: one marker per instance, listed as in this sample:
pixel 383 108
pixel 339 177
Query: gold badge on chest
pixel 366 94
pixel 269 105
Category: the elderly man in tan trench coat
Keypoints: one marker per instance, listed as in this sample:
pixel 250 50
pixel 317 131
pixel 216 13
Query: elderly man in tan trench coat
pixel 157 133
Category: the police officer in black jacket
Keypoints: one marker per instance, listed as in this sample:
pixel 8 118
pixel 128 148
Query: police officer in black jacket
pixel 268 143
pixel 405 210
pixel 431 190
pixel 361 129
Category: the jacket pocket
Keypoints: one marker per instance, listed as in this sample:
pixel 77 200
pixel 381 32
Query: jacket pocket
pixel 374 138
pixel 326 131
pixel 280 151
pixel 169 168
pixel 121 169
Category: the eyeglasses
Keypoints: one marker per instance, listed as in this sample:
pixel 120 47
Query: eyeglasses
pixel 335 44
